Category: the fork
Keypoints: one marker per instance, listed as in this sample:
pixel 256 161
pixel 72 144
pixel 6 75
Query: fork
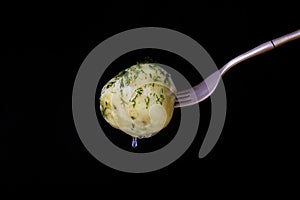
pixel 203 90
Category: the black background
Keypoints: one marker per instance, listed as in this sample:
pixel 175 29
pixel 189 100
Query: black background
pixel 44 46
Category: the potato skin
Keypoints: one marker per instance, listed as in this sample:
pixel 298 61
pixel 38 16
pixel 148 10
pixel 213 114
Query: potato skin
pixel 139 100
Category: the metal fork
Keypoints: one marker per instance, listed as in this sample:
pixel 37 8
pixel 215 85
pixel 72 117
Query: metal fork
pixel 203 90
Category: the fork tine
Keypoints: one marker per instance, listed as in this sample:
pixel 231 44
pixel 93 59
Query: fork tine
pixel 182 100
pixel 190 92
pixel 185 96
pixel 183 92
pixel 179 104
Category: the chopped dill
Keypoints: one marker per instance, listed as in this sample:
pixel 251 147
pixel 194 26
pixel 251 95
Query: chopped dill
pixel 121 83
pixel 139 90
pixel 167 80
pixel 133 101
pixel 103 112
pixel 147 101
pixel 110 84
pixel 159 99
pixel 123 101
pixel 156 78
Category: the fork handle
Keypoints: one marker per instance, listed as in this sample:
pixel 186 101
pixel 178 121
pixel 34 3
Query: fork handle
pixel 267 46
pixel 286 38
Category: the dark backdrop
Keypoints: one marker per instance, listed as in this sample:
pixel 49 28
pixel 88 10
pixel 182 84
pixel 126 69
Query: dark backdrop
pixel 43 47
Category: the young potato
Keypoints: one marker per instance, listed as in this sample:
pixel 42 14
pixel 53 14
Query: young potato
pixel 139 100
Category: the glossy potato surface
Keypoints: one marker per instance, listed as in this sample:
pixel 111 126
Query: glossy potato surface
pixel 139 100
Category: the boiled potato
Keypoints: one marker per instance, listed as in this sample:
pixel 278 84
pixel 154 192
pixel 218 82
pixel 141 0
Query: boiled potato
pixel 139 100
